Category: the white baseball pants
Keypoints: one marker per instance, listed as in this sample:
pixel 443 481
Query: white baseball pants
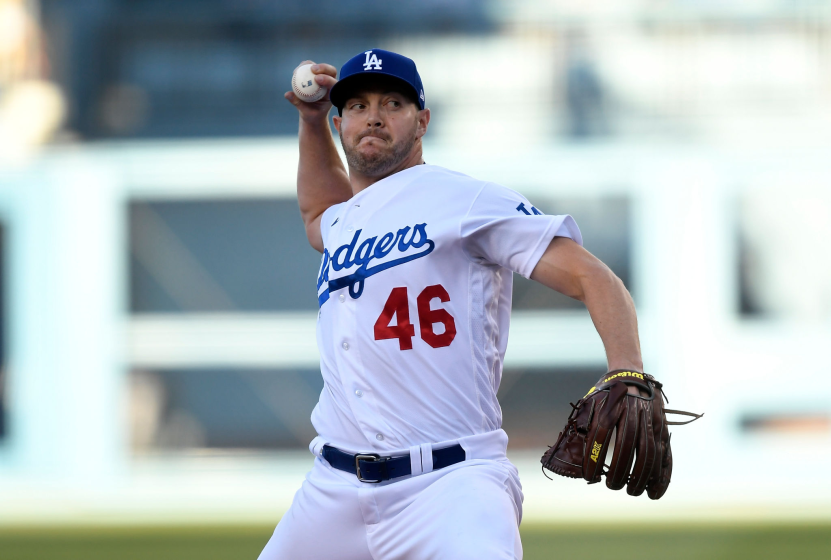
pixel 470 510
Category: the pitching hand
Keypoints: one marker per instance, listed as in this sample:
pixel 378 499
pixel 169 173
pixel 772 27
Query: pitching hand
pixel 326 77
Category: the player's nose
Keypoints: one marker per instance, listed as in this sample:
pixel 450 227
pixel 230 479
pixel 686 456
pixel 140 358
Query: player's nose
pixel 374 117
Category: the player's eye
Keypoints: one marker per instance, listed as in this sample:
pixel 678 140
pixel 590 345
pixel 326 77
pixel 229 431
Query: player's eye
pixel 395 104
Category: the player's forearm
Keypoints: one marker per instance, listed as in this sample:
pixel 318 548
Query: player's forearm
pixel 322 180
pixel 613 313
pixel 571 270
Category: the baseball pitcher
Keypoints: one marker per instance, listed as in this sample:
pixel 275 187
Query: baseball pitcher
pixel 414 290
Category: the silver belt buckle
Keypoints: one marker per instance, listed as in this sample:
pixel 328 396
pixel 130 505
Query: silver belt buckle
pixel 371 457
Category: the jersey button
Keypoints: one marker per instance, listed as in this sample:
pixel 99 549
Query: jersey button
pixel 349 229
pixel 359 393
pixel 379 437
pixel 342 298
pixel 345 345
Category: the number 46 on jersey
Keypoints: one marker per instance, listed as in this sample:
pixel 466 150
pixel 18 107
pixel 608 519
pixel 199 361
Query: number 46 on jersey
pixel 398 305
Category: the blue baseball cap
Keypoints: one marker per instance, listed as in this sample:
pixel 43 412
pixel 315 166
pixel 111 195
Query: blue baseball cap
pixel 376 62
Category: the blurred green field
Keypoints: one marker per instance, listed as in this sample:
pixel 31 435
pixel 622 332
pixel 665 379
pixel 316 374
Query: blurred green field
pixel 662 542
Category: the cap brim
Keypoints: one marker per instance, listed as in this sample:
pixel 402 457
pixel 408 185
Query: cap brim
pixel 341 90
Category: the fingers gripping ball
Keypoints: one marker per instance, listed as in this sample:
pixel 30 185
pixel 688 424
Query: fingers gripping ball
pixel 304 85
pixel 642 459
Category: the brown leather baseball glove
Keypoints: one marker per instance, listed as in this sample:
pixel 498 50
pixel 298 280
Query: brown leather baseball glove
pixel 642 458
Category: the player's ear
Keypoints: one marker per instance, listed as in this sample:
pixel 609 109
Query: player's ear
pixel 423 119
pixel 337 120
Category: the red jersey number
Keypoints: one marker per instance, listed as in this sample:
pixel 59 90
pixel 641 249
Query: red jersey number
pixel 404 331
pixel 398 305
pixel 428 317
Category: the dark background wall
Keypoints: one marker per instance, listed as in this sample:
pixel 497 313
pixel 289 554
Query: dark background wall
pixel 160 69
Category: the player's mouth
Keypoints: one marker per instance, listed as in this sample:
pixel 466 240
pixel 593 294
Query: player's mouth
pixel 371 136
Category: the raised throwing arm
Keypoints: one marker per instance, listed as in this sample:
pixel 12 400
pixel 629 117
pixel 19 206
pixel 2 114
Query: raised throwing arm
pixel 322 179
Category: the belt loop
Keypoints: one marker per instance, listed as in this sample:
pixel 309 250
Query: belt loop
pixel 415 460
pixel 427 457
pixel 316 446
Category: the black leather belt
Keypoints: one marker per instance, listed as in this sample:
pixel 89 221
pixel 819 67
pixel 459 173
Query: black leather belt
pixel 371 467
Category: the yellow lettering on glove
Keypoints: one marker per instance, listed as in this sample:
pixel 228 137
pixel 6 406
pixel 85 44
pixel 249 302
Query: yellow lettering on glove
pixel 595 451
pixel 624 374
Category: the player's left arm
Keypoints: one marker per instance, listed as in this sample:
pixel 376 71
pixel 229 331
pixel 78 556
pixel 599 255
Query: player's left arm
pixel 570 269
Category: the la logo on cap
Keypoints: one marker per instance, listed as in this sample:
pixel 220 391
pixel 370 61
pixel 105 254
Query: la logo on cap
pixel 372 61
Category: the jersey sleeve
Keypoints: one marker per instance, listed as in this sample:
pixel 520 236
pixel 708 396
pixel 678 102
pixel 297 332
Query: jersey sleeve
pixel 326 220
pixel 503 228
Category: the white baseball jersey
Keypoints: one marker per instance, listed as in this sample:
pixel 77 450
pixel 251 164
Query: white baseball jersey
pixel 415 298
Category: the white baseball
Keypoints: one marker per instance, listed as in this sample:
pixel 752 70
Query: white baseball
pixel 304 85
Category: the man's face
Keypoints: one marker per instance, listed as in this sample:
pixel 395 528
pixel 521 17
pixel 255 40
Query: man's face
pixel 378 129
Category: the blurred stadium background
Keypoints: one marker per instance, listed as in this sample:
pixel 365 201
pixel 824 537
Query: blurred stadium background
pixel 157 316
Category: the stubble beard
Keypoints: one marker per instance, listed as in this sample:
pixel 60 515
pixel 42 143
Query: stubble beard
pixel 378 163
